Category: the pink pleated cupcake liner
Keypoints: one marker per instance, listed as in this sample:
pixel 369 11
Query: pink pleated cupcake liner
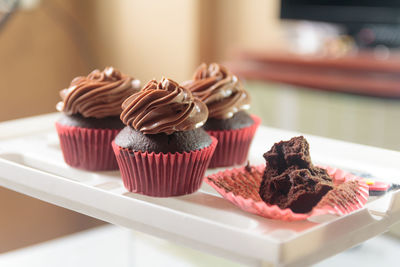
pixel 339 177
pixel 243 192
pixel 233 145
pixel 163 175
pixel 88 149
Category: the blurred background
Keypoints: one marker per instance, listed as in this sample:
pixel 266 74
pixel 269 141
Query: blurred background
pixel 327 68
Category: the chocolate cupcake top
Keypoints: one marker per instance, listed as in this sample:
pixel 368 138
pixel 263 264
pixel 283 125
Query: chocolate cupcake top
pixel 163 107
pixel 222 91
pixel 98 95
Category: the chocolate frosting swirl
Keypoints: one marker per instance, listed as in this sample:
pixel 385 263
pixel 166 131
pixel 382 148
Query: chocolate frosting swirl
pixel 98 95
pixel 222 91
pixel 163 107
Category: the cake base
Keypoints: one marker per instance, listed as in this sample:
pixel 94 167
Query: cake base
pixel 77 120
pixel 239 120
pixel 184 141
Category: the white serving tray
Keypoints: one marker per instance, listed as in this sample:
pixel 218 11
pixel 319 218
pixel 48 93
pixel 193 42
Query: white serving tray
pixel 31 163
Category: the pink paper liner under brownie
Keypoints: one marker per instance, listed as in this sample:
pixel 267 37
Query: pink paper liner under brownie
pixel 248 198
pixel 233 145
pixel 163 175
pixel 88 149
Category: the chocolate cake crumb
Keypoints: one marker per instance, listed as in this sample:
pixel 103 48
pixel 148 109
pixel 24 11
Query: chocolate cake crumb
pixel 290 180
pixel 248 167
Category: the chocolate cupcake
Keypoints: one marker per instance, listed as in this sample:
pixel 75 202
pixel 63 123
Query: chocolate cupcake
pixel 163 151
pixel 91 106
pixel 228 121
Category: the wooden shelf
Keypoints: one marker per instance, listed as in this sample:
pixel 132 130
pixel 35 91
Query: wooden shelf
pixel 362 74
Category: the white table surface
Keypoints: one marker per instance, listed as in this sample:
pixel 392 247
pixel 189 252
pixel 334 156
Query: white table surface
pixel 111 245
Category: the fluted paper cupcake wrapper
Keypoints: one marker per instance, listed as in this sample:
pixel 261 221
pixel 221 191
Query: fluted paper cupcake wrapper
pixel 163 175
pixel 244 194
pixel 88 149
pixel 233 145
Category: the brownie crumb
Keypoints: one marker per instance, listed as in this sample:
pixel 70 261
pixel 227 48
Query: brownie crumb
pixel 248 167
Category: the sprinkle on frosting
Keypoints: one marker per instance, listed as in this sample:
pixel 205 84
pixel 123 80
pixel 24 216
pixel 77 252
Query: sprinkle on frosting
pixel 222 91
pixel 163 107
pixel 98 95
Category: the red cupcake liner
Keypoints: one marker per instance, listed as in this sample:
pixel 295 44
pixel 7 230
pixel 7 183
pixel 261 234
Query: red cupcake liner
pixel 163 175
pixel 233 145
pixel 88 149
pixel 242 191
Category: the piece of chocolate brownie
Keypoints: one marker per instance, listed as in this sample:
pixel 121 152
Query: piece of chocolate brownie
pixel 290 179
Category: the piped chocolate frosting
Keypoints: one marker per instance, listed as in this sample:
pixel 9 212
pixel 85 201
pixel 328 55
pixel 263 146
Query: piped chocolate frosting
pixel 98 95
pixel 163 107
pixel 222 91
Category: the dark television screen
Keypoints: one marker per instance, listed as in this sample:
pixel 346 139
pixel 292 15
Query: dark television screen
pixel 342 11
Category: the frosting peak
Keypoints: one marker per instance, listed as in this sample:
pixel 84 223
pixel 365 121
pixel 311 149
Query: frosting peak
pixel 219 89
pixel 97 95
pixel 163 107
